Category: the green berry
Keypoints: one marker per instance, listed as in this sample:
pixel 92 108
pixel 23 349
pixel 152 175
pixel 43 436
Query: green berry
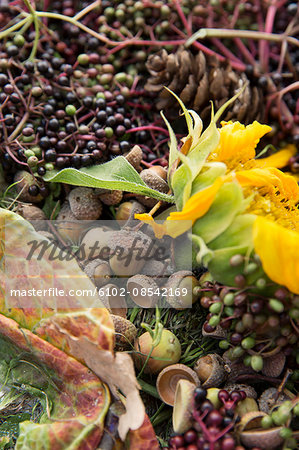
pixel 267 422
pixel 28 153
pixel 286 433
pixel 276 305
pixel 26 139
pixel 261 283
pixel 294 313
pixel 19 40
pixel 214 321
pixel 32 161
pixel 296 409
pixel 250 268
pixel 229 311
pixel 224 345
pixel 108 132
pixel 229 299
pixel 237 352
pixel 49 166
pixel 215 308
pixel 256 362
pixel 37 151
pixel 83 59
pixel 248 343
pixel 236 260
pixel 247 360
pixel 70 110
pixel 120 77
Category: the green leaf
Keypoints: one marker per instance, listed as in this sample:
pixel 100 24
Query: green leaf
pixel 186 113
pixel 117 174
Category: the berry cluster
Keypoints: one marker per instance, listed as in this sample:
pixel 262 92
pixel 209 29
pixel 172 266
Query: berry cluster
pixel 212 425
pixel 255 320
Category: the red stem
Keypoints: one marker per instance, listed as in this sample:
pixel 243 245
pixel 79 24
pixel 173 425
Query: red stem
pixel 264 45
pixel 147 127
pixel 182 17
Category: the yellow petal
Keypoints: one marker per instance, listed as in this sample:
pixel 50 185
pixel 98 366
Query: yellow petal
pixel 279 159
pixel 238 141
pixel 179 222
pixel 278 249
pixel 286 184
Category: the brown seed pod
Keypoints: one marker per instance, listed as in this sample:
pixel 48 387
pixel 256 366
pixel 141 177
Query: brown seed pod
pixel 98 271
pixel 125 332
pixel 84 204
pixel 35 215
pixel 273 366
pixel 69 228
pixel 180 289
pixel 160 171
pixel 269 399
pixel 143 291
pixel 168 379
pixel 24 180
pixel 110 198
pixel 252 435
pixel 111 298
pixel 218 333
pixel 211 370
pixel 183 406
pixel 249 390
pixel 129 249
pixel 134 157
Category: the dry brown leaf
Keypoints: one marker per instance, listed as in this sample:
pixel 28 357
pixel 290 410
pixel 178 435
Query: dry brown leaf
pixel 118 372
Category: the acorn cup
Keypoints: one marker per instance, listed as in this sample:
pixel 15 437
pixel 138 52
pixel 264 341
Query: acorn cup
pixel 114 302
pixel 273 365
pixel 168 379
pixel 252 434
pixel 211 370
pixel 183 406
pixel 98 271
pixel 125 332
pixel 84 204
pixel 129 250
pixel 269 399
pixel 180 290
pixel 143 291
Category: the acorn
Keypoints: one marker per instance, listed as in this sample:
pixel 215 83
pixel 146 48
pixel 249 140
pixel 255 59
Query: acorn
pixel 84 204
pixel 126 212
pixel 129 250
pixel 168 379
pixel 160 171
pixel 33 214
pixel 109 197
pixel 269 399
pixel 158 270
pixel 95 242
pixel 168 351
pixel 98 271
pixel 125 332
pixel 249 390
pixel 245 406
pixel 183 406
pixel 211 370
pixel 143 291
pixel 155 182
pixel 134 157
pixel 180 290
pixel 24 182
pixel 69 228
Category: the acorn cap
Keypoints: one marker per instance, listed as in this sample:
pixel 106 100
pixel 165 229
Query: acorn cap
pixel 253 435
pixel 134 157
pixel 249 390
pixel 114 302
pixel 160 171
pixel 273 365
pixel 24 180
pixel 155 182
pixel 183 406
pixel 269 398
pixel 110 198
pixel 125 332
pixel 84 204
pixel 211 370
pixel 142 291
pixel 168 379
pixel 98 271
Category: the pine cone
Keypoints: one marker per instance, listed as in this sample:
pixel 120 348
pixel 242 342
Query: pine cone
pixel 199 79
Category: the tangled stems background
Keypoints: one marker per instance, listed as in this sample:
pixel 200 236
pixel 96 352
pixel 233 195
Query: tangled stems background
pixel 82 85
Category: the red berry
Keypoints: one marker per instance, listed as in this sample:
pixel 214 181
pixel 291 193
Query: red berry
pixel 228 444
pixel 177 441
pixel 214 418
pixel 223 395
pixel 190 436
pixel 235 396
pixel 243 394
pixel 192 447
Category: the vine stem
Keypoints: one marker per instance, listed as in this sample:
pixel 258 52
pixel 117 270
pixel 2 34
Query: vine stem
pixel 19 127
pixel 204 33
pixel 36 27
pixel 264 45
pixel 88 9
pixel 15 27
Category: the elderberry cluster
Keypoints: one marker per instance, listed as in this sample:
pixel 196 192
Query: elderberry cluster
pixel 212 425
